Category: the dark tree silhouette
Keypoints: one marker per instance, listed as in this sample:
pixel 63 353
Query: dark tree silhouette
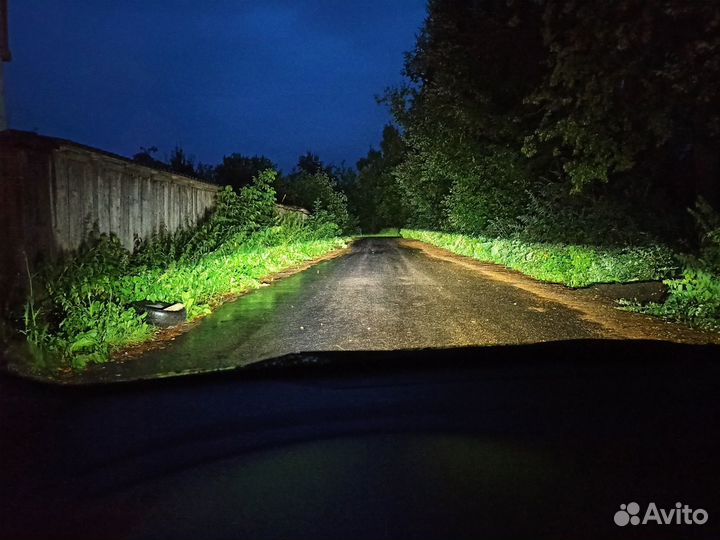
pixel 237 170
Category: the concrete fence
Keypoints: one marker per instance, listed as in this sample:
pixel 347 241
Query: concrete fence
pixel 54 192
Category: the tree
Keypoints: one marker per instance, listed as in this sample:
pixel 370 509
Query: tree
pixel 205 172
pixel 473 65
pixel 311 164
pixel 521 107
pixel 179 162
pixel 298 188
pixel 330 204
pixel 632 83
pixel 376 197
pixel 237 170
pixel 145 157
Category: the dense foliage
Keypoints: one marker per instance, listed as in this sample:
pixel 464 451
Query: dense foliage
pixel 314 186
pixel 238 171
pixel 568 123
pixel 695 296
pixel 374 195
pixel 514 108
pixel 311 185
pixel 628 83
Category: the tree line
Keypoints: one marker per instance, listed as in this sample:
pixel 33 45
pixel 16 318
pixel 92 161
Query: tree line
pixel 553 120
pixel 311 184
pixel 560 120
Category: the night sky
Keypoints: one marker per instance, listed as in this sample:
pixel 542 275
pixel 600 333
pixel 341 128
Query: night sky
pixel 264 77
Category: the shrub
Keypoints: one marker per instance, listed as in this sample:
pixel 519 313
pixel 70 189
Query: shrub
pixel 331 205
pixel 695 297
pixel 707 221
pixel 234 214
pixel 320 192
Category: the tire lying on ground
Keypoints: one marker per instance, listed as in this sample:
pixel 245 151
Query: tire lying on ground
pixel 163 314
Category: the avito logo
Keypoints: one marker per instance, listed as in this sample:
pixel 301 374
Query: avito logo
pixel 680 515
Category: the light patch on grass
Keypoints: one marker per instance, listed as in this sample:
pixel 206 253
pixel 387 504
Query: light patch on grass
pixel 571 265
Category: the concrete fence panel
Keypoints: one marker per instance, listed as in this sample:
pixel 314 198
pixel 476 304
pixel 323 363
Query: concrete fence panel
pixel 53 193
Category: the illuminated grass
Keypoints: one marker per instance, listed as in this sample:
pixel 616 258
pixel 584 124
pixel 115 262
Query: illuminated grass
pixel 694 297
pixel 571 265
pixel 99 317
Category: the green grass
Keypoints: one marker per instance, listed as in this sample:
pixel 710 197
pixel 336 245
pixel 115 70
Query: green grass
pixel 81 309
pixel 694 297
pixel 96 297
pixel 83 312
pixel 571 265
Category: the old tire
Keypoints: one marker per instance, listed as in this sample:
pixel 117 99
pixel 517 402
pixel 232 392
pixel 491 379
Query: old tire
pixel 163 314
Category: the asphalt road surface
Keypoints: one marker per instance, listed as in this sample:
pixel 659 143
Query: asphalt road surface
pixel 388 294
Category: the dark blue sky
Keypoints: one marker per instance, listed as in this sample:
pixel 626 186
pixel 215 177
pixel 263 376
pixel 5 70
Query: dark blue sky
pixel 256 77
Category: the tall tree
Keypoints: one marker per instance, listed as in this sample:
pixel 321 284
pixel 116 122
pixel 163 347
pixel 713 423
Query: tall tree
pixel 473 65
pixel 523 107
pixel 146 156
pixel 375 197
pixel 310 163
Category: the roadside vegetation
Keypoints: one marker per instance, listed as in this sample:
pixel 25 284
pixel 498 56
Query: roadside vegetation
pixel 548 138
pixel 551 137
pixel 82 309
pixel 571 265
pixel 695 294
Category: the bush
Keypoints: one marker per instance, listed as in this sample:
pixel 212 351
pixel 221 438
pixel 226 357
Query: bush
pixel 695 297
pixel 330 205
pixel 553 214
pixel 319 191
pixel 234 214
pixel 707 221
